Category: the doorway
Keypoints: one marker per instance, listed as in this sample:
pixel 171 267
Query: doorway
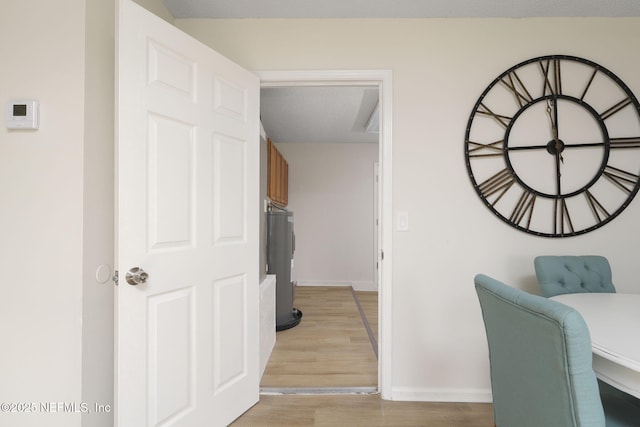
pixel 382 80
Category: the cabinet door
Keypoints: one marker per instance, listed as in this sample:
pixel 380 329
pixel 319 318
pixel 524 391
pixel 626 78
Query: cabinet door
pixel 278 185
pixel 285 182
pixel 273 160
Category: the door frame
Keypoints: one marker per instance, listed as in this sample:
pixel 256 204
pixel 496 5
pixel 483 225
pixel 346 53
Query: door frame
pixel 383 79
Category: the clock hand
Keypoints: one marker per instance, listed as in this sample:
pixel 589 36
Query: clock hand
pixel 558 174
pixel 557 146
pixel 538 147
pixel 554 127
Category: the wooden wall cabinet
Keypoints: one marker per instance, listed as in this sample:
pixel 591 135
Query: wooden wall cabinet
pixel 278 172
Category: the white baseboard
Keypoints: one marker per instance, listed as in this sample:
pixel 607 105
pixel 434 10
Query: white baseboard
pixel 411 394
pixel 357 286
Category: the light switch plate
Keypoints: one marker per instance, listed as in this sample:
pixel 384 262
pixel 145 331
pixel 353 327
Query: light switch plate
pixel 403 221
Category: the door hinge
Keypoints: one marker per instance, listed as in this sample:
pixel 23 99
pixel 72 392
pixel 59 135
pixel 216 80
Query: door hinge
pixel 115 278
pixel 381 255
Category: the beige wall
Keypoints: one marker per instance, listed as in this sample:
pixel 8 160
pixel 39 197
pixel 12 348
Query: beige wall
pixel 58 213
pixel 331 195
pixel 98 228
pixel 41 219
pixel 440 67
pixel 50 247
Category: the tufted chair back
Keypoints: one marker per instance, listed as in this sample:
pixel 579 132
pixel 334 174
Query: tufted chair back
pixel 540 364
pixel 573 274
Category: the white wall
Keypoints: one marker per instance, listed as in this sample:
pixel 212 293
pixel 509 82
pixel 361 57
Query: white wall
pixel 57 215
pixel 440 67
pixel 41 219
pixel 331 194
pixel 98 229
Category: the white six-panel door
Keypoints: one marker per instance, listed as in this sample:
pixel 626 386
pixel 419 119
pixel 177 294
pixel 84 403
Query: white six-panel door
pixel 188 206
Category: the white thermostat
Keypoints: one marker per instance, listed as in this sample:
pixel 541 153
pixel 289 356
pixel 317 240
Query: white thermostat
pixel 22 114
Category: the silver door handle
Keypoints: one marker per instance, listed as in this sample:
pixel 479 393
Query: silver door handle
pixel 136 276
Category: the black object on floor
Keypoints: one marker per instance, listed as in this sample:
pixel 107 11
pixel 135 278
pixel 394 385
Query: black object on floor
pixel 296 316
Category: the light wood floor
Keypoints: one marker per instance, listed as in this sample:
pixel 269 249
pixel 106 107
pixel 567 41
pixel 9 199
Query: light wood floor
pixel 330 347
pixel 362 410
pixel 369 304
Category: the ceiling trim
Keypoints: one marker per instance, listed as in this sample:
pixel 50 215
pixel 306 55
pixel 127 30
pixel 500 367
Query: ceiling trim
pixel 287 78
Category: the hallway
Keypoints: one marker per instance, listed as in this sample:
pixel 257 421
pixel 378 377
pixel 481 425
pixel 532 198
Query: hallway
pixel 331 347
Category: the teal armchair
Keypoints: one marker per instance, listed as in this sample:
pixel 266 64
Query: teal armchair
pixel 573 274
pixel 540 360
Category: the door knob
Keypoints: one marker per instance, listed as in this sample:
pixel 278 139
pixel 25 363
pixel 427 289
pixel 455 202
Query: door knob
pixel 136 276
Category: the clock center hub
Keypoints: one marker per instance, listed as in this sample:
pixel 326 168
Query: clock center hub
pixel 555 147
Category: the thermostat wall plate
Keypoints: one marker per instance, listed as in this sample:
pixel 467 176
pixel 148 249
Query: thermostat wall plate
pixel 22 114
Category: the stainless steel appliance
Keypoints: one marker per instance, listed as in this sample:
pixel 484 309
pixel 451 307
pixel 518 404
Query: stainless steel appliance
pixel 280 251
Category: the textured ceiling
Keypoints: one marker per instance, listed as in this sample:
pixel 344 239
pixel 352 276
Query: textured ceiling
pixel 399 8
pixel 328 114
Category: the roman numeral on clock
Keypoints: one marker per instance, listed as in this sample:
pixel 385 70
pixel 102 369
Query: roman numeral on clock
pixel 502 120
pixel 497 184
pixel 561 217
pixel 622 143
pixel 492 149
pixel 624 180
pixel 596 207
pixel 552 77
pixel 617 107
pixel 524 208
pixel 512 82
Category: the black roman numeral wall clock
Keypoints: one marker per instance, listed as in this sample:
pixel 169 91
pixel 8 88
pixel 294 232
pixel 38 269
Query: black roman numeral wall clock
pixel 552 146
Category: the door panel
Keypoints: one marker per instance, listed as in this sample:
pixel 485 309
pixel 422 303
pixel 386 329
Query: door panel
pixel 229 195
pixel 188 205
pixel 228 367
pixel 171 355
pixel 171 183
